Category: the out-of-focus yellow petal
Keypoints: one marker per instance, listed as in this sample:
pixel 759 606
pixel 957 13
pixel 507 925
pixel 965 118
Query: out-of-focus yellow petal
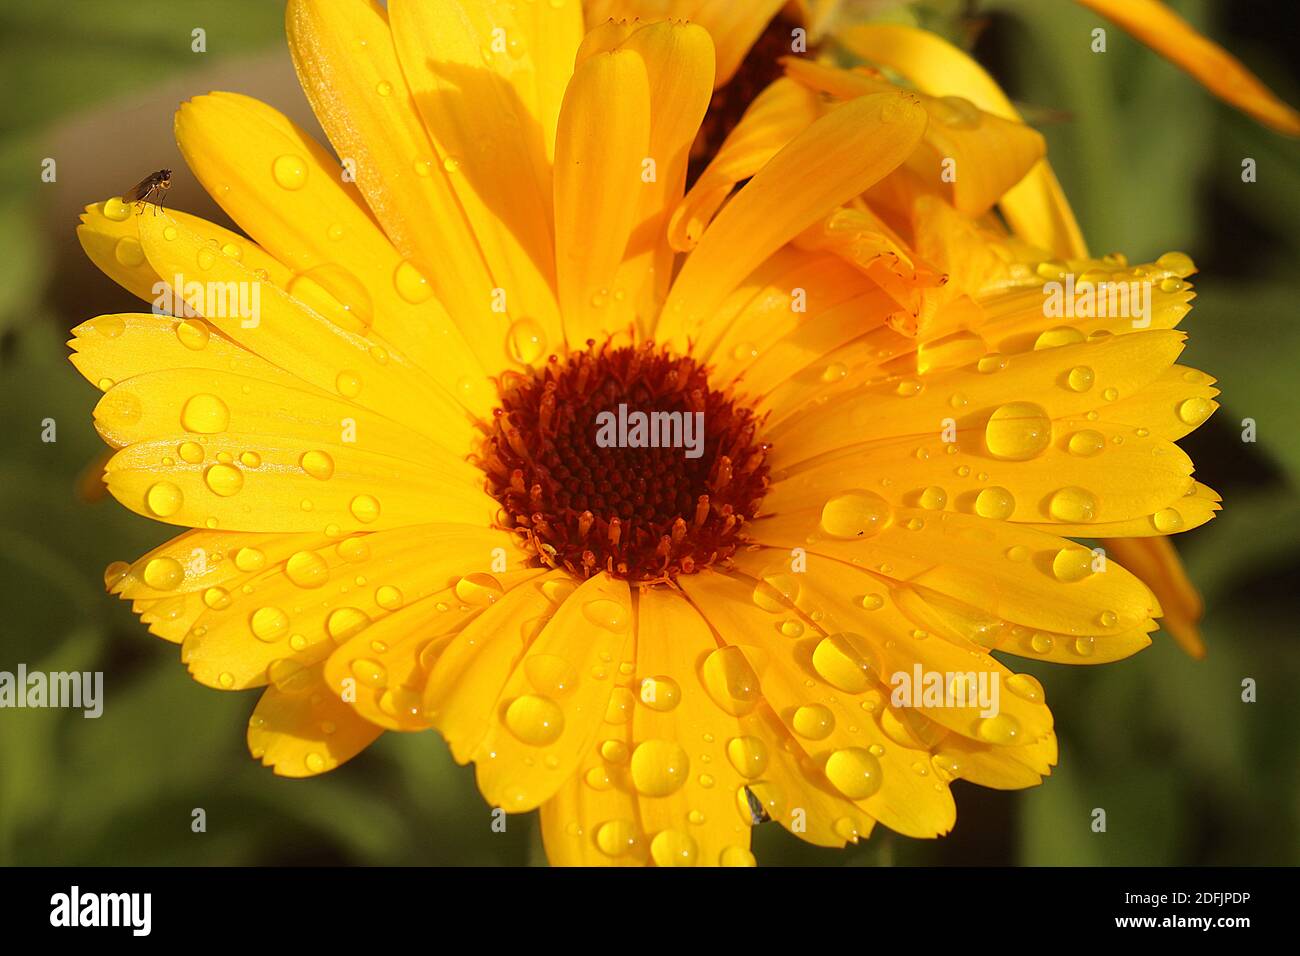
pixel 1156 561
pixel 1213 67
pixel 1036 207
pixel 970 157
pixel 734 25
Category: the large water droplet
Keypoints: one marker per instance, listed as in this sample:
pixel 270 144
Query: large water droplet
pixel 611 615
pixel 845 660
pixel 290 171
pixel 1018 431
pixel 854 514
pixel 163 499
pixel 660 693
pixel 995 502
pixel 479 589
pixel 269 624
pixel 659 767
pixel 813 721
pixel 526 341
pixel 307 569
pixel 205 414
pixel 731 681
pixel 674 848
pixel 1073 505
pixel 164 574
pixel 854 771
pixel 1002 729
pixel 224 480
pixel 748 755
pixel 535 720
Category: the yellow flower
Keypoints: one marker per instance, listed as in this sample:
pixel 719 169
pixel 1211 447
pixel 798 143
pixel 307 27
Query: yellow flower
pixel 1036 209
pixel 401 431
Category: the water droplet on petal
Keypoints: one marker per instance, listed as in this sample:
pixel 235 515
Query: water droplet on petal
pixel 845 661
pixel 164 574
pixel 268 624
pixel 1018 431
pixel 1002 729
pixel 995 502
pixel 659 767
pixel 163 499
pixel 307 569
pixel 1073 504
pixel 318 464
pixel 730 680
pixel 365 508
pixel 813 721
pixel 674 848
pixel 205 414
pixel 479 589
pixel 224 480
pixel 854 514
pixel 535 720
pixel 290 171
pixel 748 755
pixel 854 771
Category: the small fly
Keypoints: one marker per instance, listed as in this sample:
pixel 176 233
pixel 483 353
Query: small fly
pixel 153 186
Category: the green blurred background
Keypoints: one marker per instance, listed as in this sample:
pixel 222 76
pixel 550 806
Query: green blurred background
pixel 1187 773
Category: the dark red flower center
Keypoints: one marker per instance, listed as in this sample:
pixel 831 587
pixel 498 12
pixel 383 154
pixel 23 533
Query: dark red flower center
pixel 625 460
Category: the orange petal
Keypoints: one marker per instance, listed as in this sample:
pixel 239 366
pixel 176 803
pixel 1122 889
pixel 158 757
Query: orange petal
pixel 1209 64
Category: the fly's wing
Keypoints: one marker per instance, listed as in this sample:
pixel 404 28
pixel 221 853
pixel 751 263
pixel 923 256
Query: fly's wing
pixel 144 187
pixel 141 189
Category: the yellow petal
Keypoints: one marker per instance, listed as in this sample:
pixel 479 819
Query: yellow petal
pixel 790 778
pixel 1213 67
pixel 1008 570
pixel 968 396
pixel 545 719
pixel 1036 208
pixel 686 785
pixel 113 348
pixel 1156 562
pixel 348 68
pixel 592 820
pixel 475 665
pixel 303 729
pixel 830 725
pixel 296 201
pixel 356 364
pixel 283 616
pixel 970 157
pixel 832 161
pixel 778 114
pixel 679 66
pixel 474 97
pixel 382 671
pixel 603 141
